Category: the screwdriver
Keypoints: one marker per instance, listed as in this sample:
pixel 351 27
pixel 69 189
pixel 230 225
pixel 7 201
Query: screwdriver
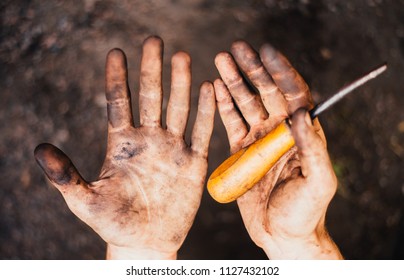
pixel 241 171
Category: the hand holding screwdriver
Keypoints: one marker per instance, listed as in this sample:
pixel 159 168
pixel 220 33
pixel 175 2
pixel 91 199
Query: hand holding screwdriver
pixel 284 212
pixel 241 171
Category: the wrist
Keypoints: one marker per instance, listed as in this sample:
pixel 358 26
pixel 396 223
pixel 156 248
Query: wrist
pixel 310 247
pixel 125 253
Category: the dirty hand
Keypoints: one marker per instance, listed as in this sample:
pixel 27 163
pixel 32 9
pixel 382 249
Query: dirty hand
pixel 151 182
pixel 284 213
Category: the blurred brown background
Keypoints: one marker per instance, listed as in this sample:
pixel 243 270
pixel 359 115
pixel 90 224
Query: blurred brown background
pixel 52 56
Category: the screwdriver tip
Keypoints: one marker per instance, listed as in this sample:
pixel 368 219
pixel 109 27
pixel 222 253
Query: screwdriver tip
pixel 319 108
pixel 378 70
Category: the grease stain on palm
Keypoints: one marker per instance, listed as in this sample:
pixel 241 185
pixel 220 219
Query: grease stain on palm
pixel 128 150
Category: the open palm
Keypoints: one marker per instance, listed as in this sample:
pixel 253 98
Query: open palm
pixel 151 182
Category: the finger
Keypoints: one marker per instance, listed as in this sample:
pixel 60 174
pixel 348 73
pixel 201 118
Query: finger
pixel 249 103
pixel 315 162
pixel 60 171
pixel 292 85
pixel 233 122
pixel 151 93
pixel 117 90
pixel 203 127
pixel 180 96
pixel 250 63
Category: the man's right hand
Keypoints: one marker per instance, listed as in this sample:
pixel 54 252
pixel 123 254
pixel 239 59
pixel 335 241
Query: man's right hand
pixel 284 213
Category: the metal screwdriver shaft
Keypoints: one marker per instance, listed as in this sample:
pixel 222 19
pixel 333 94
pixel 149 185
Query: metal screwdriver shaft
pixel 346 90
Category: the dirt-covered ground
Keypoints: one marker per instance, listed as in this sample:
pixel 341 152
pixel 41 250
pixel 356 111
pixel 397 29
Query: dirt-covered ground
pixel 52 56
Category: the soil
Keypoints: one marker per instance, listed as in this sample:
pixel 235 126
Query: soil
pixel 52 57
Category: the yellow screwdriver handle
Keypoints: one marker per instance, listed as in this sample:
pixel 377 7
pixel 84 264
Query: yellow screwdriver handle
pixel 240 172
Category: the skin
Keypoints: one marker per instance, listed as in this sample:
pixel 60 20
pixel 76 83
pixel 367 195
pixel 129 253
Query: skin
pixel 284 213
pixel 150 185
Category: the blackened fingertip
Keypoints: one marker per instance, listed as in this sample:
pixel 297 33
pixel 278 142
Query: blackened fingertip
pixel 116 77
pixel 239 45
pixel 268 52
pixel 116 64
pixel 56 165
pixel 41 151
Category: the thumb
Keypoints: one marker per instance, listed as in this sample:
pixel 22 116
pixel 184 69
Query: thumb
pixel 60 170
pixel 315 162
